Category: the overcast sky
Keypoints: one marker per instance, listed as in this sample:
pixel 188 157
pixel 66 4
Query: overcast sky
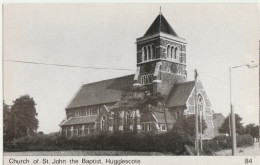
pixel 98 35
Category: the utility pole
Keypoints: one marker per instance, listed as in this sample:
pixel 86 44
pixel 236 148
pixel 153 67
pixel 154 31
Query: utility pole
pixel 196 115
pixel 229 122
pixel 201 120
pixel 233 127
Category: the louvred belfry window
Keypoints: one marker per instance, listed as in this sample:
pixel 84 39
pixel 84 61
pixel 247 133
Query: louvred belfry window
pixel 144 53
pixel 149 53
pixel 153 52
pixel 175 53
pixel 168 51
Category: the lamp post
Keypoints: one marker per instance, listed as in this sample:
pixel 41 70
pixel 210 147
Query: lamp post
pixel 250 67
pixel 233 127
pixel 196 116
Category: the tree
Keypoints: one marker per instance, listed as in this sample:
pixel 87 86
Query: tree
pixel 239 125
pixel 24 116
pixel 186 125
pixel 252 129
pixel 8 126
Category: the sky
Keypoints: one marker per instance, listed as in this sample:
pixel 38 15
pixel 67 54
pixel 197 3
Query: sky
pixel 104 35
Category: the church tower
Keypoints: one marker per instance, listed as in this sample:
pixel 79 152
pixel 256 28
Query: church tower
pixel 161 57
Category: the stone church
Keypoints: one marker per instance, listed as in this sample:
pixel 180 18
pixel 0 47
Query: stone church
pixel 111 105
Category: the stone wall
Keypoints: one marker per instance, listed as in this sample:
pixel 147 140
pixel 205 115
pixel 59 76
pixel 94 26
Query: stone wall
pixel 207 112
pixel 107 116
pixel 167 82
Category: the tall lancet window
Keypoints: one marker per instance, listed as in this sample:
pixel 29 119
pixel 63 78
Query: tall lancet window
pixel 127 120
pixel 102 123
pixel 149 52
pixel 153 52
pixel 172 52
pixel 144 53
pixel 200 104
pixel 168 51
pixel 175 53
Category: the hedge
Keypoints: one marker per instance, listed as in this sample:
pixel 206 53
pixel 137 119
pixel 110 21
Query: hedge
pixel 225 142
pixel 144 142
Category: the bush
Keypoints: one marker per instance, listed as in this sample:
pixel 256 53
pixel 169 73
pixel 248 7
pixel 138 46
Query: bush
pixel 245 140
pixel 118 141
pixel 225 142
pixel 145 142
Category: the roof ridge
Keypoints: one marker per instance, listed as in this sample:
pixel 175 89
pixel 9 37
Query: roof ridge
pixel 160 22
pixel 107 79
pixel 75 117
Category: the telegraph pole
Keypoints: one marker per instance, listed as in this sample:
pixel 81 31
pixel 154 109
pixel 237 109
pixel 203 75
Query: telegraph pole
pixel 201 121
pixel 233 126
pixel 196 115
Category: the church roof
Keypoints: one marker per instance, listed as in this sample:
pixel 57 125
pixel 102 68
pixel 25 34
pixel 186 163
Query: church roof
pixel 106 91
pixel 80 120
pixel 179 94
pixel 161 118
pixel 160 24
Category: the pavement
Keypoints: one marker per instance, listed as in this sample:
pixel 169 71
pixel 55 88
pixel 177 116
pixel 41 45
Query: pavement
pixel 242 151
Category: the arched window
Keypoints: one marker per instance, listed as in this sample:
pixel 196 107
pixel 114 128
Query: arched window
pixel 142 54
pixel 149 53
pixel 127 120
pixel 68 131
pixel 172 52
pixel 168 51
pixel 146 79
pixel 79 130
pixel 175 53
pixel 145 54
pixel 200 104
pixel 102 123
pixel 153 52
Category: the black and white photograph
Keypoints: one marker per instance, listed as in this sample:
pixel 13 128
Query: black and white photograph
pixel 137 79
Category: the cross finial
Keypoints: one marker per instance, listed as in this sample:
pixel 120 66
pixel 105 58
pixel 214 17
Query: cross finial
pixel 160 10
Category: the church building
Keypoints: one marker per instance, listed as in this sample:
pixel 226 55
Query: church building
pixel 119 104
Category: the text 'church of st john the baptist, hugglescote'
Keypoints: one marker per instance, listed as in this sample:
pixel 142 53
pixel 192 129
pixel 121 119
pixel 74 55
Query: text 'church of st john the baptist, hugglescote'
pixel 115 104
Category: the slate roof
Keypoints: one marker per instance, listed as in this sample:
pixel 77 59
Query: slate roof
pixel 160 24
pixel 101 92
pixel 80 120
pixel 160 117
pixel 179 94
pixel 128 103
